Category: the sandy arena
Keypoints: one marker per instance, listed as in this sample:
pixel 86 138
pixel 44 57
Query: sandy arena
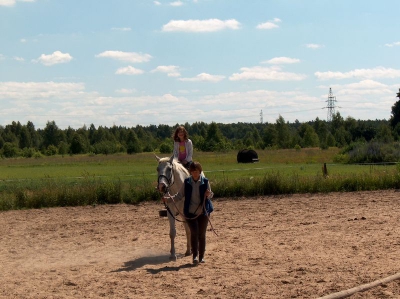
pixel 295 246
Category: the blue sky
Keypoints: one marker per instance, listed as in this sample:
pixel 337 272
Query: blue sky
pixel 145 62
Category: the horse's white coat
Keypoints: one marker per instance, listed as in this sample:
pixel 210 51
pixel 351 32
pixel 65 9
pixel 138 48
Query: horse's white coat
pixel 179 174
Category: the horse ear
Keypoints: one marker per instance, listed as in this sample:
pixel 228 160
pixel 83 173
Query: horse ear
pixel 158 158
pixel 171 159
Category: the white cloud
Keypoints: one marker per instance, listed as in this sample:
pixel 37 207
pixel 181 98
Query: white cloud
pixel 269 24
pixel 314 46
pixel 378 72
pixel 126 56
pixel 255 97
pixel 125 91
pixel 12 2
pixel 129 70
pixel 20 59
pixel 203 77
pixel 170 70
pixel 23 90
pixel 176 3
pixel 366 99
pixel 7 2
pixel 68 104
pixel 24 40
pixel 2 57
pixel 156 3
pixel 54 58
pixel 186 91
pixel 210 25
pixel 121 28
pixel 273 73
pixel 282 60
pixel 393 44
pixel 365 87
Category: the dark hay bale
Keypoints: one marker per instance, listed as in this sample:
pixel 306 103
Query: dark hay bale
pixel 247 156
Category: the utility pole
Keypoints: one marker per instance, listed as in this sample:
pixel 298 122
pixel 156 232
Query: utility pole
pixel 331 105
pixel 261 117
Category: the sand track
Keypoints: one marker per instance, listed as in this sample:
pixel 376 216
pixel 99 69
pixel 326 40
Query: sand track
pixel 298 246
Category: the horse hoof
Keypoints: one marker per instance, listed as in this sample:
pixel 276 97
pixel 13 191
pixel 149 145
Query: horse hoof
pixel 187 253
pixel 173 258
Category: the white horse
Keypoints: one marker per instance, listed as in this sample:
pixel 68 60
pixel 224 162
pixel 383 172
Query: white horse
pixel 171 176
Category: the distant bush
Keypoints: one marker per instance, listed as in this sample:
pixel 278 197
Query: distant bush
pixel 9 150
pixel 28 152
pixel 51 150
pixel 373 152
pixel 341 158
pixel 37 155
pixel 166 148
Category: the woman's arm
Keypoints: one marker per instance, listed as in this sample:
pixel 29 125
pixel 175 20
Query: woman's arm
pixel 176 150
pixel 189 150
pixel 209 193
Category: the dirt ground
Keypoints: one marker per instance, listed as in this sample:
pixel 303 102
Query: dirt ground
pixel 296 246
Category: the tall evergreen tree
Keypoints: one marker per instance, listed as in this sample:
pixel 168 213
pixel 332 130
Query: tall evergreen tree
pixel 51 134
pixel 25 140
pixel 395 117
pixel 133 143
pixel 77 144
pixel 283 133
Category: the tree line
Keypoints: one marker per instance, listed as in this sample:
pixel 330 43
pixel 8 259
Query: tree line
pixel 25 140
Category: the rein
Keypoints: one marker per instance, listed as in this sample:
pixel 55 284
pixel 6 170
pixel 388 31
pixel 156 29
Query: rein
pixel 183 215
pixel 169 210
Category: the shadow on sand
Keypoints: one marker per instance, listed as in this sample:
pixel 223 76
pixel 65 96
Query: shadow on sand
pixel 151 260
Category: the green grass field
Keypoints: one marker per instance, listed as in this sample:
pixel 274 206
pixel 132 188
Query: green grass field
pixel 216 165
pixel 82 180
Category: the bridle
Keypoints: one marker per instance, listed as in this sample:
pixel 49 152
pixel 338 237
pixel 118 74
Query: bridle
pixel 170 178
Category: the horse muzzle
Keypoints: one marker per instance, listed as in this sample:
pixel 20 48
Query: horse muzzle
pixel 162 188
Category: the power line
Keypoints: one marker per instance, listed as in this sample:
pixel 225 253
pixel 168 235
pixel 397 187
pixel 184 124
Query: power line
pixel 331 105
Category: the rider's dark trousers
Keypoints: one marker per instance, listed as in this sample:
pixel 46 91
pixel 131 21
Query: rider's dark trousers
pixel 198 229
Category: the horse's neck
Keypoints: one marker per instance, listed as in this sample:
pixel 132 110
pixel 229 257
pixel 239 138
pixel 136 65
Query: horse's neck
pixel 179 177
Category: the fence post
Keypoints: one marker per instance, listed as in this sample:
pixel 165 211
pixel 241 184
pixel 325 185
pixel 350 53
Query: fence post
pixel 324 171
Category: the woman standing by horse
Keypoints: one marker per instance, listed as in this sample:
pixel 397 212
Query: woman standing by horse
pixel 196 192
pixel 183 146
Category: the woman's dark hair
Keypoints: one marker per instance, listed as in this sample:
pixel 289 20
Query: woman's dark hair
pixel 195 166
pixel 177 130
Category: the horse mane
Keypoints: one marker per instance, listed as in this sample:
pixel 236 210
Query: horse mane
pixel 179 166
pixel 165 159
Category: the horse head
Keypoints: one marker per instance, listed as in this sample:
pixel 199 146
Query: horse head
pixel 165 173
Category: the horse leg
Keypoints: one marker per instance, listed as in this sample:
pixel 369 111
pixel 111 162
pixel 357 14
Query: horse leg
pixel 188 244
pixel 172 234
